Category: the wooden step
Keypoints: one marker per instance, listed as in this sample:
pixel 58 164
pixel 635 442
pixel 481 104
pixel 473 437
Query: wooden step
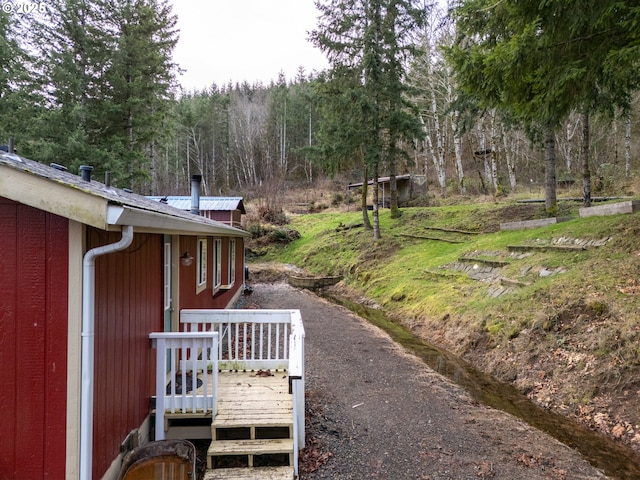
pixel 254 473
pixel 251 447
pixel 248 400
pixel 266 418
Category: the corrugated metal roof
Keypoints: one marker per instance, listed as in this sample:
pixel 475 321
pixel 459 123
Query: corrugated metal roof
pixel 183 202
pixel 415 178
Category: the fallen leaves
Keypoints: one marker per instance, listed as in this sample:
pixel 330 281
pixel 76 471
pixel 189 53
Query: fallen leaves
pixel 313 456
pixel 632 287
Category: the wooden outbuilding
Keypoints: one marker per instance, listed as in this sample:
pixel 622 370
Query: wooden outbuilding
pixel 409 188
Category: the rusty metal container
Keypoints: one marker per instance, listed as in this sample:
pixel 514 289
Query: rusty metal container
pixel 162 460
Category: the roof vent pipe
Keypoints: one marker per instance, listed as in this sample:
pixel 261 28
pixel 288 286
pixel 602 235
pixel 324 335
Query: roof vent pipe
pixel 196 180
pixel 85 171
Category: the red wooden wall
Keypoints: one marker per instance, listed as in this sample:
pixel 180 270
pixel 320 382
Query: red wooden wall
pixel 206 299
pixel 129 305
pixel 233 218
pixel 33 342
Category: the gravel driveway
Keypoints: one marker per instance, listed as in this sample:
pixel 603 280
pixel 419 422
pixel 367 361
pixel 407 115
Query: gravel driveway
pixel 377 412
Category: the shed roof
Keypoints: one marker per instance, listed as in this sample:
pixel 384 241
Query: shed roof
pixel 227 204
pixel 388 179
pixel 93 203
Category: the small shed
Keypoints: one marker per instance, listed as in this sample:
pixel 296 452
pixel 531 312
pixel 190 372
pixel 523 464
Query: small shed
pixel 409 187
pixel 227 210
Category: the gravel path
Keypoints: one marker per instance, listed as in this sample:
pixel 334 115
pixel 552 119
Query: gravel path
pixel 376 412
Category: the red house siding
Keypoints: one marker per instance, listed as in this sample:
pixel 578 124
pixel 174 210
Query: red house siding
pixel 33 342
pixel 206 298
pixel 129 305
pixel 233 218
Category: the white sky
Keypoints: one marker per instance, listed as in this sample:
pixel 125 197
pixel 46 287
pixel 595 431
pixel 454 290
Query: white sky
pixel 237 40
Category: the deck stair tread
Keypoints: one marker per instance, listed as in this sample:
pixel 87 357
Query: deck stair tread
pixel 246 399
pixel 253 473
pixel 251 447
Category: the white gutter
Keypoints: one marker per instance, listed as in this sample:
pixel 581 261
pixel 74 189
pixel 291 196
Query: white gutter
pixel 88 333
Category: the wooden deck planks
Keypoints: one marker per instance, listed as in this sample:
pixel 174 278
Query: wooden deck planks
pixel 251 447
pixel 245 399
pixel 263 473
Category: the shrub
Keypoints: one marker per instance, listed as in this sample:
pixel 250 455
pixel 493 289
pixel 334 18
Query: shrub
pixel 283 235
pixel 256 230
pixel 275 216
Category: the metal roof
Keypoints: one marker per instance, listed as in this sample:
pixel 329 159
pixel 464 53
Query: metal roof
pixel 406 176
pixel 183 202
pixel 95 204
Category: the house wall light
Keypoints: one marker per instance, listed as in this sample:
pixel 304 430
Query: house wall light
pixel 186 260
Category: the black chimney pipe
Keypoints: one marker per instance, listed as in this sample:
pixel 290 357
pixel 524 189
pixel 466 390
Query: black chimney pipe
pixel 196 180
pixel 85 171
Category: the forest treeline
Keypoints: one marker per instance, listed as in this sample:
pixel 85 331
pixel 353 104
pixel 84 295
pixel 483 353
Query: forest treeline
pixel 476 96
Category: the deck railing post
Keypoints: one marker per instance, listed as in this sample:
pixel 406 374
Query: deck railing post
pixel 193 351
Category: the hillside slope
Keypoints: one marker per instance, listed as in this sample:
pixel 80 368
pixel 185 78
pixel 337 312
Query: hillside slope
pixel 554 310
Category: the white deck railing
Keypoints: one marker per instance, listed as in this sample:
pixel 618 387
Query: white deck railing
pixel 248 339
pixel 259 339
pixel 186 374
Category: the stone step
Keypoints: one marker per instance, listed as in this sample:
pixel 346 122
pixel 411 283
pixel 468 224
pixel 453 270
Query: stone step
pixel 253 473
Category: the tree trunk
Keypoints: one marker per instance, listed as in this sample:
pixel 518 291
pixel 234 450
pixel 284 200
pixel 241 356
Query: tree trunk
pixel 550 200
pixel 511 171
pixel 497 190
pixel 458 151
pixel 485 160
pixel 363 198
pixel 627 146
pixel 376 216
pixel 393 192
pixel 393 184
pixel 440 172
pixel 586 173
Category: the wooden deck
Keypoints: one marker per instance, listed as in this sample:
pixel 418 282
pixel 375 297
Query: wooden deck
pixel 243 378
pixel 254 421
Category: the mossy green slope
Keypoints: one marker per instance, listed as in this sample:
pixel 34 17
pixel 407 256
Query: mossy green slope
pixel 571 303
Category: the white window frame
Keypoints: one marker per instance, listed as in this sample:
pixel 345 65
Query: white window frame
pixel 231 271
pixel 217 264
pixel 201 265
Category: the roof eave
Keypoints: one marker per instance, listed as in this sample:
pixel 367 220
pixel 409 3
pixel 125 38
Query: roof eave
pixel 153 222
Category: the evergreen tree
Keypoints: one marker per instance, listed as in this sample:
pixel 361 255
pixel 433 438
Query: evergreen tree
pixel 539 60
pixel 14 81
pixel 138 83
pixel 373 39
pixel 106 78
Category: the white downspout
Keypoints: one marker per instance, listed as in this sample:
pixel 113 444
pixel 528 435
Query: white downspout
pixel 88 321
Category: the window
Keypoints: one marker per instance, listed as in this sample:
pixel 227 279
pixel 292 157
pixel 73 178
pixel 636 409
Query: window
pixel 232 263
pixel 217 255
pixel 201 280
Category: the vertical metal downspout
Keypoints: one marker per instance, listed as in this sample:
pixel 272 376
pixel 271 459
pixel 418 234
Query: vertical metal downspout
pixel 88 321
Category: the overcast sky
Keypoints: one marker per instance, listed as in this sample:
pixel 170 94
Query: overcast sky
pixel 237 40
